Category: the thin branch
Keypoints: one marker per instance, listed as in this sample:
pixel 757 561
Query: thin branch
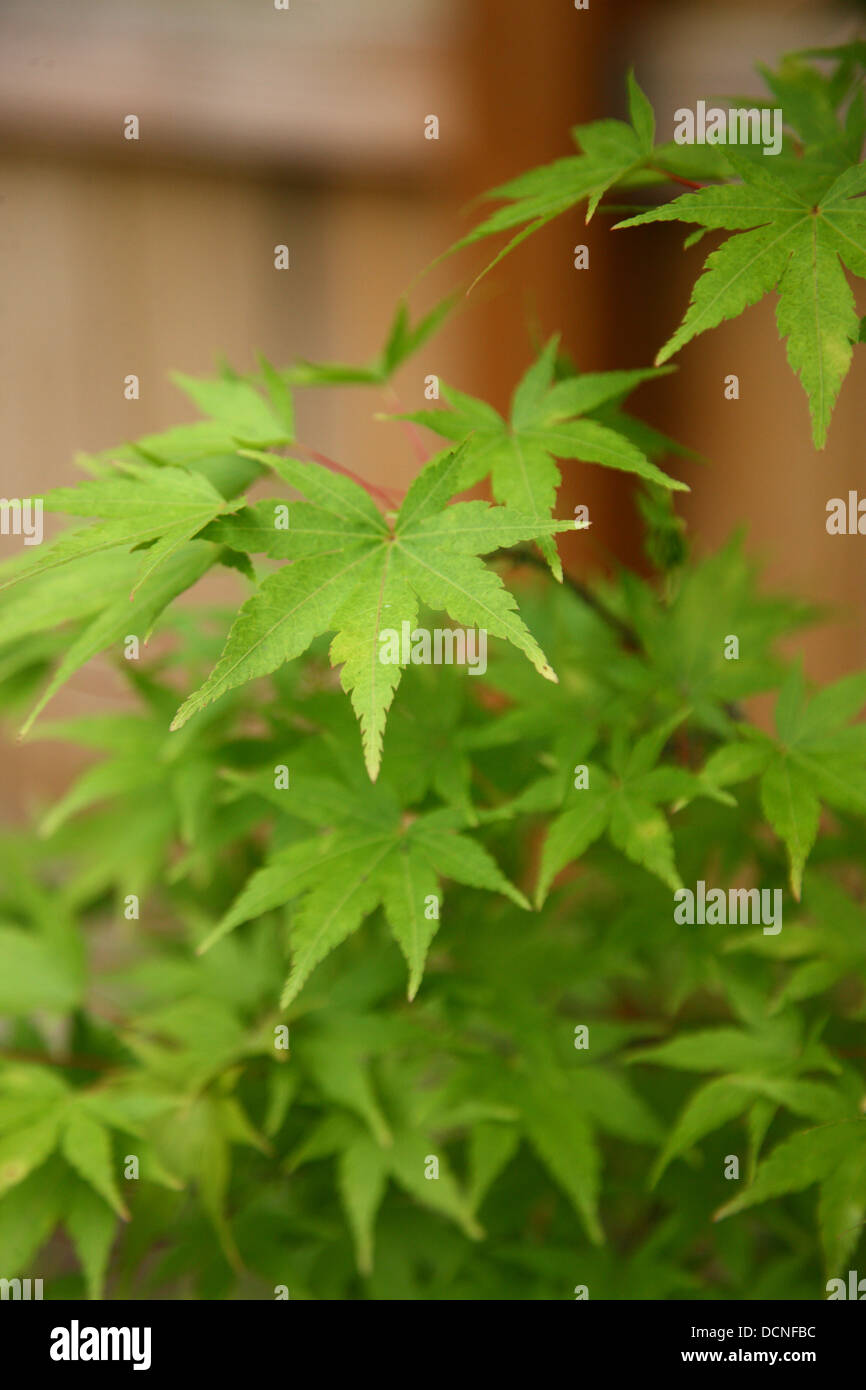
pixel 625 207
pixel 629 637
pixel 79 1063
pixel 676 178
pixel 411 430
pixel 383 495
pixel 627 634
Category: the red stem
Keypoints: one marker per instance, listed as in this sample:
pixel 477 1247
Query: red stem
pixel 677 178
pixel 411 430
pixel 383 494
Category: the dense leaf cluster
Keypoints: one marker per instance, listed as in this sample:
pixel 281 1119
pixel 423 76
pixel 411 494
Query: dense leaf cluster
pixel 286 968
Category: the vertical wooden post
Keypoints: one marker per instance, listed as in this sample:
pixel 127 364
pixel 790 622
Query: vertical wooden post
pixel 534 71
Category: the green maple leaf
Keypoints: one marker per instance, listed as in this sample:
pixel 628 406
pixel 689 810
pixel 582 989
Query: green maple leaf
pixel 358 576
pixel 337 1056
pixel 407 1160
pixel 34 975
pixel 764 1065
pixel 61 595
pixel 92 1227
pixel 560 1114
pixel 362 1178
pixel 811 100
pixel 832 1155
pixel 198 1136
pixel 832 947
pixel 365 1169
pixel 238 414
pixel 683 638
pixel 623 800
pixel 425 746
pixel 402 341
pixel 144 764
pixel 556 1105
pixel 167 788
pixel 239 411
pixel 817 757
pixel 549 420
pixel 613 153
pixel 796 232
pixel 774 1049
pixel 564 1141
pixel 188 1042
pixel 45 1121
pixel 365 854
pixel 85 586
pixel 675 656
pixel 491 1148
pixel 86 1146
pixel 140 505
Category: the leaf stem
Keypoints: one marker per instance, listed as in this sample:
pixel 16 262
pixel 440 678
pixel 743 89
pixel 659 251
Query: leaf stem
pixel 413 434
pixel 676 178
pixel 629 637
pixel 627 634
pixel 80 1063
pixel 382 494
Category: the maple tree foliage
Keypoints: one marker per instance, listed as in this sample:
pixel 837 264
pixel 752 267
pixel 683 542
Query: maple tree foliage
pixel 801 223
pixel 365 915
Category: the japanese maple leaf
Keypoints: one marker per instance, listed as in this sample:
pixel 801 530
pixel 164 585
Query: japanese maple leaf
pixel 832 1155
pixel 520 454
pixel 757 1070
pixel 611 154
pixel 357 575
pixel 404 338
pixel 624 801
pixel 138 506
pixel 831 948
pixel 365 852
pixel 816 757
pixel 796 233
